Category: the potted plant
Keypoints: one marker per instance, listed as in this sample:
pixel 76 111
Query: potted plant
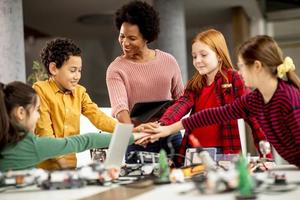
pixel 38 73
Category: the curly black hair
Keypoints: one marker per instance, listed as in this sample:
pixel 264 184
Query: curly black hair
pixel 141 14
pixel 59 50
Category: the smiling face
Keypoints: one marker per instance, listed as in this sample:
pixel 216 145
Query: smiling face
pixel 205 60
pixel 69 74
pixel 131 40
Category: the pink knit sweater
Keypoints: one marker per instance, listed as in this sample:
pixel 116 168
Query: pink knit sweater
pixel 129 82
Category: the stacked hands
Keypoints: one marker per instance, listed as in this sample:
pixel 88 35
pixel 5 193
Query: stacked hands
pixel 150 132
pixel 143 134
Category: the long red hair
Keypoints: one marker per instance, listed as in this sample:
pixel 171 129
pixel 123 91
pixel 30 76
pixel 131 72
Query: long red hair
pixel 216 41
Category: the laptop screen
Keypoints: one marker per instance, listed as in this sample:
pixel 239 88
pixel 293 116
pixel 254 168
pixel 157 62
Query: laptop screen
pixel 118 145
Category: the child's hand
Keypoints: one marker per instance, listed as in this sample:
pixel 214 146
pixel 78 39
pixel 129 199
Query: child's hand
pixel 143 141
pixel 140 135
pixel 148 127
pixel 161 131
pixel 156 133
pixel 63 163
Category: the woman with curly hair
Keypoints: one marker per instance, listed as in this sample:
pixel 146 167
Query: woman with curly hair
pixel 141 74
pixel 275 102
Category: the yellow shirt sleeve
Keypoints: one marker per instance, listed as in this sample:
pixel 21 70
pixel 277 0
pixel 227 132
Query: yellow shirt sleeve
pixel 60 117
pixel 44 124
pixel 96 116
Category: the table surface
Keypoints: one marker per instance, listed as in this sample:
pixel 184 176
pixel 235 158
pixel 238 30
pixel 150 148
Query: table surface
pixel 145 190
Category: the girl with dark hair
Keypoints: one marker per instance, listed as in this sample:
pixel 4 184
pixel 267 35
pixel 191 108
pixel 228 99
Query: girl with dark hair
pixel 274 102
pixel 19 147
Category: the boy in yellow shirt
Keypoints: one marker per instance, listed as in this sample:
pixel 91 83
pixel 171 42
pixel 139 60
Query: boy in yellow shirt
pixel 63 99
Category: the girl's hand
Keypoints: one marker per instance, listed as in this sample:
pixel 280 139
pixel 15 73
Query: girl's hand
pixel 148 127
pixel 160 132
pixel 140 135
pixel 145 140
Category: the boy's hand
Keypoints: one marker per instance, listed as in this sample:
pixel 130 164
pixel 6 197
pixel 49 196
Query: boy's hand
pixel 143 141
pixel 63 163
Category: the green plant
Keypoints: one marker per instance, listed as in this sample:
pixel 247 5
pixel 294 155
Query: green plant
pixel 38 73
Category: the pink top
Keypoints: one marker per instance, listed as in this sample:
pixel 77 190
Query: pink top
pixel 129 82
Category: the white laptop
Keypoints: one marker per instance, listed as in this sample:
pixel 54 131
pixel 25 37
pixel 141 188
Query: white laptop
pixel 118 145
